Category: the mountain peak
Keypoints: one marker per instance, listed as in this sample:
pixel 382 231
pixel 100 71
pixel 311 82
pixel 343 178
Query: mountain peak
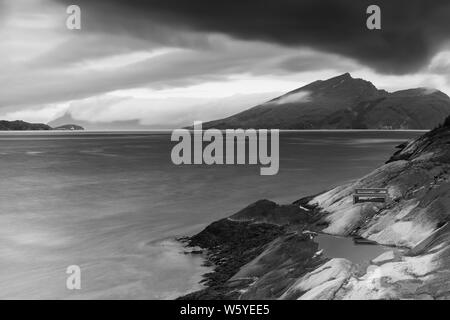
pixel 344 102
pixel 344 76
pixel 341 78
pixel 344 86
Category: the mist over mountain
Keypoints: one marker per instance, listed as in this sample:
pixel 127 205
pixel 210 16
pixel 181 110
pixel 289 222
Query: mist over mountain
pixel 344 102
pixel 106 126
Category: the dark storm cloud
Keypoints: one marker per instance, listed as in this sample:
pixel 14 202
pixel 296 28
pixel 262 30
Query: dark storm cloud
pixel 179 68
pixel 412 31
pixel 316 61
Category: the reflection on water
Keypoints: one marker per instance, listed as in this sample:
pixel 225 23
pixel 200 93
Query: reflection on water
pixel 357 251
pixel 107 202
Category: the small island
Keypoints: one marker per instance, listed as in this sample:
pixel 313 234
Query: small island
pixel 20 125
pixel 69 127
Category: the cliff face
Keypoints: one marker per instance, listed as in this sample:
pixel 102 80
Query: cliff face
pixel 414 221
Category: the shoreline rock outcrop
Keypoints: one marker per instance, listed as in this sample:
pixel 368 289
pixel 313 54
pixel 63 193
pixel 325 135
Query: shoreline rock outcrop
pixel 267 251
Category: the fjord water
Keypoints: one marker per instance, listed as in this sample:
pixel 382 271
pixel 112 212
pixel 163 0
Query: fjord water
pixel 112 203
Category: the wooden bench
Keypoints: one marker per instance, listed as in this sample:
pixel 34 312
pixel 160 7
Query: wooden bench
pixel 378 195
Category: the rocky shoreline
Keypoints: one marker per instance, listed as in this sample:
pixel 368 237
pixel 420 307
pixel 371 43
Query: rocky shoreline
pixel 266 251
pixel 263 228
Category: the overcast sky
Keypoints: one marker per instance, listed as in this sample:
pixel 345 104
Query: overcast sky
pixel 170 62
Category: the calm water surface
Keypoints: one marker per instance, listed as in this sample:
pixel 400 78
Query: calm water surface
pixel 112 203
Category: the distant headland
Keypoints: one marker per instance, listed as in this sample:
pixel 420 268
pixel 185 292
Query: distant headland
pixel 20 125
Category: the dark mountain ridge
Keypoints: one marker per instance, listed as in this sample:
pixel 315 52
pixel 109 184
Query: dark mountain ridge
pixel 344 102
pixel 20 125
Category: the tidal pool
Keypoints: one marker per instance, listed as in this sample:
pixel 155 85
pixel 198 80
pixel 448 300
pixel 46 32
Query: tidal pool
pixel 348 248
